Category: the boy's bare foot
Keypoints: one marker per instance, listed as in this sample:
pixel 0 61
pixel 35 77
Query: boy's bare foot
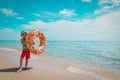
pixel 19 70
pixel 26 68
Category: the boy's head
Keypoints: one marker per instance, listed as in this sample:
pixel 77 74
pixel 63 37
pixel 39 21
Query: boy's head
pixel 23 34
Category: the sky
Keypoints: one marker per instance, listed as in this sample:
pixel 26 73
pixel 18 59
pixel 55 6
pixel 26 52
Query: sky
pixel 61 20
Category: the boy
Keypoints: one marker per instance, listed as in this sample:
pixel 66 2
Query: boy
pixel 25 52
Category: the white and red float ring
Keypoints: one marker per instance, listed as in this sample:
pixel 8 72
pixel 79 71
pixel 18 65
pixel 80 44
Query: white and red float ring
pixel 31 36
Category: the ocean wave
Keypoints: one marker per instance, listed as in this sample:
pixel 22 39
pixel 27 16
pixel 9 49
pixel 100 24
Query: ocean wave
pixel 85 72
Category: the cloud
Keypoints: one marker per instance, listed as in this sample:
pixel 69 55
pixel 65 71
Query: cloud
pixel 46 15
pixel 105 9
pixel 36 14
pixel 101 2
pixel 105 27
pixel 107 6
pixel 67 12
pixel 20 18
pixel 116 2
pixel 87 1
pixel 110 18
pixel 8 12
pixel 113 2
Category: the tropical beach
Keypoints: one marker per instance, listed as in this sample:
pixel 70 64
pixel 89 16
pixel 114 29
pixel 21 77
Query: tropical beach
pixel 59 39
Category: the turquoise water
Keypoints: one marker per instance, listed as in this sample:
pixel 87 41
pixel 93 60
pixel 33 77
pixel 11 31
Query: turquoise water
pixel 105 53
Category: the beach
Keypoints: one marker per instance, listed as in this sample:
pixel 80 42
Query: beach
pixel 45 70
pixel 67 39
pixel 8 70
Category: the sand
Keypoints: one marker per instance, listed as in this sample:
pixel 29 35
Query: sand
pixel 44 70
pixel 8 72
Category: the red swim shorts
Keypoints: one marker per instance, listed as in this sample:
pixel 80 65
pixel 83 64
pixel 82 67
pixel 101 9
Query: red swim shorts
pixel 25 53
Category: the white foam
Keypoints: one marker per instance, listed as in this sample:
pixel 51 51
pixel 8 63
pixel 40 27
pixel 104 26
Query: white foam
pixel 79 71
pixel 73 69
pixel 8 49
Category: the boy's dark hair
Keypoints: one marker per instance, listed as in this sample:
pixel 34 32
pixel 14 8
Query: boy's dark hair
pixel 23 33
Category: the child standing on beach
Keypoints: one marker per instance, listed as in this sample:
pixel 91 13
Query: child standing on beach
pixel 25 52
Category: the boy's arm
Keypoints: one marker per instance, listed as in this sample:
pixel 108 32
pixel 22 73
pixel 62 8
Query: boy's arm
pixel 28 42
pixel 23 42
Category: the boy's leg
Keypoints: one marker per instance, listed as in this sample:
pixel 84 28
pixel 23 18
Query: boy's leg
pixel 21 62
pixel 27 59
pixel 26 63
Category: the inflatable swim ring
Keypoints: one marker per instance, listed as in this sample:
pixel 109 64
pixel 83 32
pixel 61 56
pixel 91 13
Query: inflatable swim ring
pixel 32 35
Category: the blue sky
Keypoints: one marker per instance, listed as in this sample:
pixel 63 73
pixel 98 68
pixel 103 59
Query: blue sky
pixel 68 20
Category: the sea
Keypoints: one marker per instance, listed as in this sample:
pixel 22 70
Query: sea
pixel 87 53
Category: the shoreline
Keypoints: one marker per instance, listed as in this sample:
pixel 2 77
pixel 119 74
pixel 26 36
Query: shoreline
pixel 46 71
pixel 64 71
